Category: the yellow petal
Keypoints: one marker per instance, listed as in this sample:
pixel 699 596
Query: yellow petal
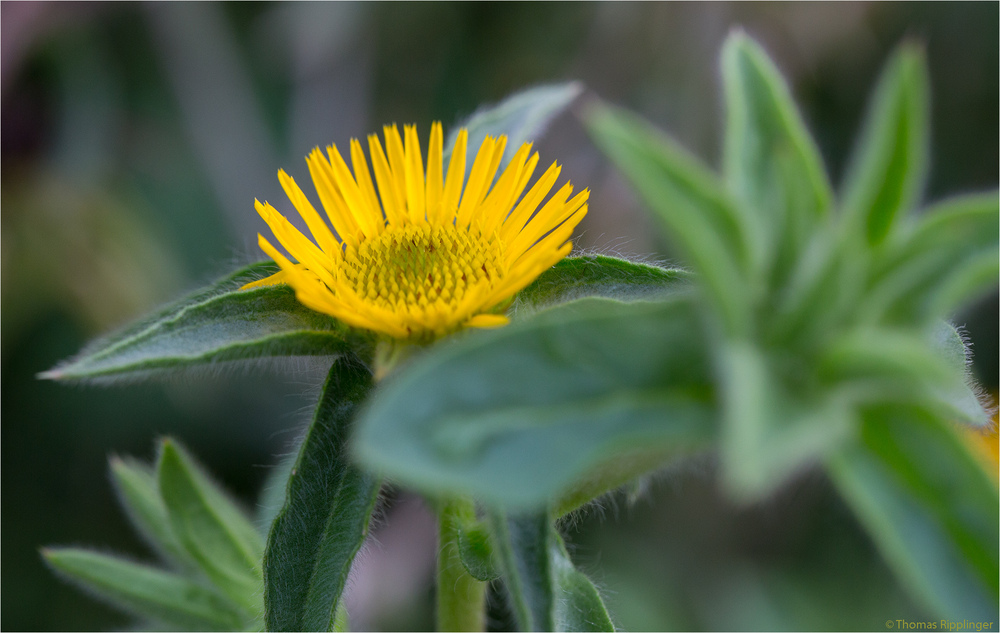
pixel 364 177
pixel 435 172
pixel 499 201
pixel 392 198
pixel 271 280
pixel 456 175
pixel 479 180
pixel 298 245
pixel 415 188
pixel 540 224
pixel 397 159
pixel 487 321
pixel 320 231
pixel 369 220
pixel 519 216
pixel 333 203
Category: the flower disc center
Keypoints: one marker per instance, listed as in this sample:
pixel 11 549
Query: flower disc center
pixel 423 266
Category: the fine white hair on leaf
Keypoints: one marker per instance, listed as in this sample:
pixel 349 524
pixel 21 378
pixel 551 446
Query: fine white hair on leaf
pixel 283 366
pixel 986 400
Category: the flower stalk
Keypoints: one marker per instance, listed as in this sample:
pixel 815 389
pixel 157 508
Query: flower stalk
pixel 461 599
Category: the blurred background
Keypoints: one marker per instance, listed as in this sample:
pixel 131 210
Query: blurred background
pixel 136 136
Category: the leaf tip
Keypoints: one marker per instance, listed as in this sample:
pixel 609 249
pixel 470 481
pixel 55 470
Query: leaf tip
pixel 912 49
pixel 120 467
pixel 736 40
pixel 168 451
pixel 56 373
pixel 116 463
pixel 52 556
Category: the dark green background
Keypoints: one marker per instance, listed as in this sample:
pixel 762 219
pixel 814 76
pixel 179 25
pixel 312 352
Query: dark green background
pixel 135 138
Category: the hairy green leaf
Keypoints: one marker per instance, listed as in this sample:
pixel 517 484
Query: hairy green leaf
pixel 904 366
pixel 138 494
pixel 547 593
pixel 929 507
pixel 620 471
pixel 874 354
pixel 272 496
pixel 963 399
pixel 775 421
pixel 476 551
pixel 887 171
pixel 213 530
pixel 144 591
pixel 950 256
pixel 324 521
pixel 524 545
pixel 341 622
pixel 219 323
pixel 518 415
pixel 771 162
pixel 690 201
pixel 522 117
pixel 599 276
pixel 825 287
pixel 580 607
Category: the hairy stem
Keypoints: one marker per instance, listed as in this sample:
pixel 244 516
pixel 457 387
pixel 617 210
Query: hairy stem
pixel 461 599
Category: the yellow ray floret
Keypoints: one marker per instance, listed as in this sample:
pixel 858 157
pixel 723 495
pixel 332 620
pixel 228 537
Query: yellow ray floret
pixel 413 254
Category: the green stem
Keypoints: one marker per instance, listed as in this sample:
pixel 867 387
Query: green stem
pixel 461 599
pixel 391 353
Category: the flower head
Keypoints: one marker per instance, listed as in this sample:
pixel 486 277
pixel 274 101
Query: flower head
pixel 420 256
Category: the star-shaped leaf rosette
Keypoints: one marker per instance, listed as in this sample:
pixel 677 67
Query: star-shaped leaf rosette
pixel 811 332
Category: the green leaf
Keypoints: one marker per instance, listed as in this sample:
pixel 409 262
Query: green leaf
pixel 519 415
pixel 883 365
pixel 826 287
pixel 145 591
pixel 215 533
pixel 138 494
pixel 887 171
pixel 771 162
pixel 341 623
pixel 274 492
pixel 219 323
pixel 546 591
pixel 579 607
pixel 476 551
pixel 950 256
pixel 872 354
pixel 929 507
pixel 599 276
pixel 325 518
pixel 690 201
pixel 775 422
pixel 623 470
pixel 525 549
pixel 522 117
pixel 963 399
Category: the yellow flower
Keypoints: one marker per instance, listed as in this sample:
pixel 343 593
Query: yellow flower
pixel 431 258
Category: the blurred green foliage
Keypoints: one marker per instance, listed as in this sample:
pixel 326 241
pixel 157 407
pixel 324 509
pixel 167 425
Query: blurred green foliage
pixel 135 137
